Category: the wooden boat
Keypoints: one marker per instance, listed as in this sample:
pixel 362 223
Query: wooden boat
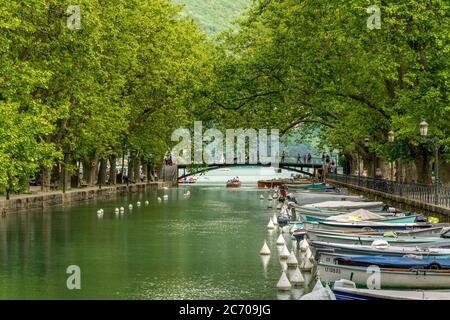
pixel 374 250
pixel 233 184
pixel 362 239
pixel 346 290
pixel 331 270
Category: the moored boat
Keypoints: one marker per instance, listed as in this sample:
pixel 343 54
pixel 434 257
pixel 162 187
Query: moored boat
pixel 368 225
pixel 377 248
pixel 346 290
pixel 331 270
pixel 352 205
pixel 362 239
pixel 234 183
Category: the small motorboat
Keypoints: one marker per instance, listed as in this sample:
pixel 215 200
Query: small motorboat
pixel 346 290
pixel 378 248
pixel 234 183
pixel 422 274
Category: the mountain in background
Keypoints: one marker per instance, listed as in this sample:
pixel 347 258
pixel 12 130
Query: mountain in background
pixel 214 16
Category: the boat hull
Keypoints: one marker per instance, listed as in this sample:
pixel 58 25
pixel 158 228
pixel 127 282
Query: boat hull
pixel 354 250
pixel 354 294
pixel 368 240
pixel 331 272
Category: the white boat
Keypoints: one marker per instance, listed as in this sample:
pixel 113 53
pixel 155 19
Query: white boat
pixel 331 271
pixel 364 239
pixel 377 248
pixel 346 290
pixel 344 205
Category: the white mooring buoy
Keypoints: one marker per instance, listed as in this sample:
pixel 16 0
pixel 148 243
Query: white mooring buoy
pixel 138 203
pixel 281 241
pixel 270 204
pixel 166 197
pixel 296 278
pixel 292 260
pixel 275 219
pixel 284 284
pixel 284 254
pixel 100 213
pixel 270 198
pixel 261 197
pixel 304 245
pixel 122 209
pixel 306 263
pixel 265 251
pixel 147 203
pixel 270 225
pixel 159 199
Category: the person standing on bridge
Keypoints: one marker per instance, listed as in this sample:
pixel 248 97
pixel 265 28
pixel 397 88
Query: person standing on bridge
pixel 299 158
pixel 309 158
pixel 283 156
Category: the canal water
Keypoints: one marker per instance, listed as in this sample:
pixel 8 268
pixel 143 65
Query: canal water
pixel 205 246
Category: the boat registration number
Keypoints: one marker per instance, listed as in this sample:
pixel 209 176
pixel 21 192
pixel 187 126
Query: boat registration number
pixel 333 270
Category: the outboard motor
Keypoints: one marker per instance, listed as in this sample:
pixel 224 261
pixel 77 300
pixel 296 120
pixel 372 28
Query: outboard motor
pixel 421 218
pixel 283 220
pixel 445 233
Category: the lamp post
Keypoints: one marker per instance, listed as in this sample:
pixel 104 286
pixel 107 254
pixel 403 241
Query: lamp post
pixel 391 139
pixel 435 140
pixel 367 144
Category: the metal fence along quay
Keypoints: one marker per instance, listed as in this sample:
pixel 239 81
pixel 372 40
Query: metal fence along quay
pixel 414 191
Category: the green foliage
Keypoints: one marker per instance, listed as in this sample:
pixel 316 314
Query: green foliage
pixel 315 62
pixel 214 16
pixel 122 82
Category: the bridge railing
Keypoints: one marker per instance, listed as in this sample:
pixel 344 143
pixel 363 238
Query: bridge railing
pixel 300 160
pixel 414 191
pixel 283 161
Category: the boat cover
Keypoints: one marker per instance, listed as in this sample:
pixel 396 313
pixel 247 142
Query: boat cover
pixel 343 204
pixel 358 215
pixel 400 262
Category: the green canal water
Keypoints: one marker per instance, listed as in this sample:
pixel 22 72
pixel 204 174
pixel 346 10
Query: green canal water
pixel 202 247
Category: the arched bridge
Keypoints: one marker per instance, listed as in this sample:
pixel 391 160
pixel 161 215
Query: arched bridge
pixel 292 164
